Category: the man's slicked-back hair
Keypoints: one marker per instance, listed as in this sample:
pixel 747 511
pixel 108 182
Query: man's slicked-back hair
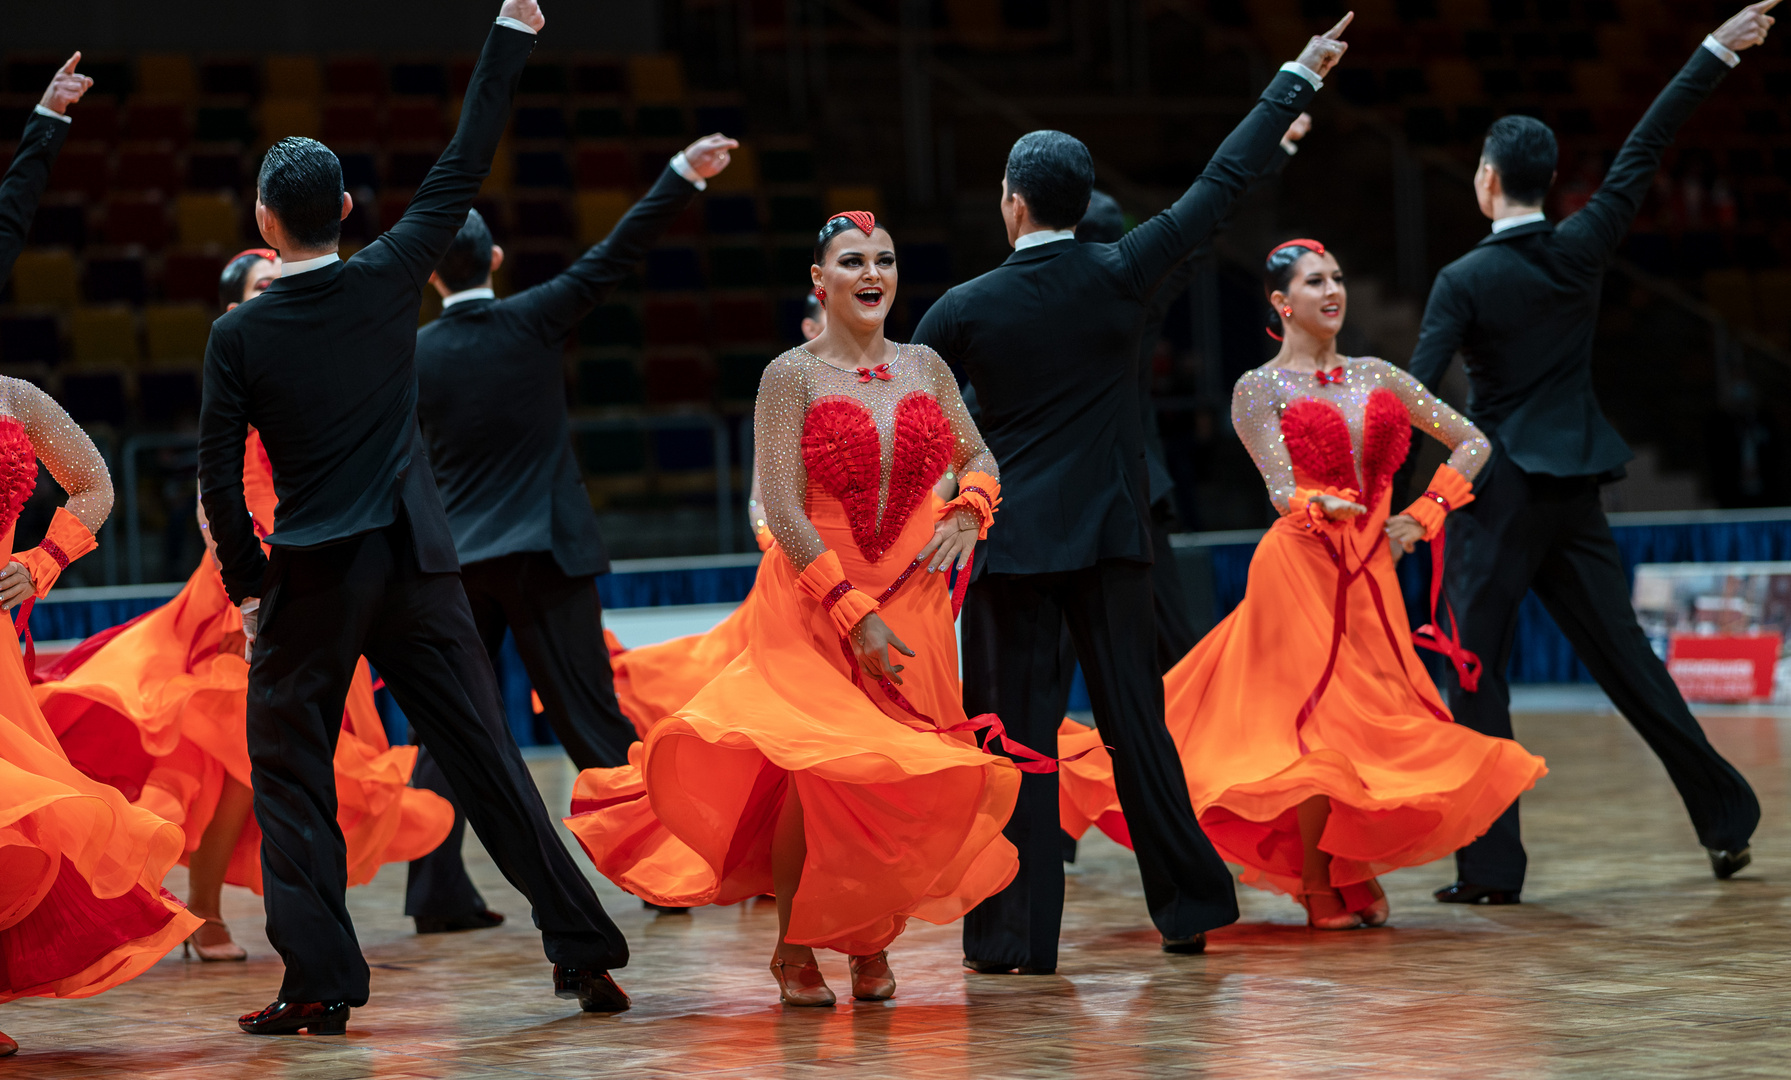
pixel 468 260
pixel 1054 173
pixel 1104 223
pixel 301 182
pixel 1523 149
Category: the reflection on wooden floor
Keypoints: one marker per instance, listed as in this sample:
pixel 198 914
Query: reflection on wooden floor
pixel 1626 960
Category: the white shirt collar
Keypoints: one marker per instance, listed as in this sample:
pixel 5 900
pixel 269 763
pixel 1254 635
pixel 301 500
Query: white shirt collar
pixel 303 265
pixel 451 299
pixel 1504 223
pixel 1043 236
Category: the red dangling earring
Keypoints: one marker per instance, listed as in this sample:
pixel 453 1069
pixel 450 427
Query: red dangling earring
pixel 821 296
pixel 1287 312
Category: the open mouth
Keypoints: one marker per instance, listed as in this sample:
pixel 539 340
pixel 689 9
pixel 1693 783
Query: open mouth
pixel 869 297
pixel 1331 311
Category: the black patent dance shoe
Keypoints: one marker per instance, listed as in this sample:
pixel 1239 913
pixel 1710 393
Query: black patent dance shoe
pixel 1192 946
pixel 1463 893
pixel 995 967
pixel 595 990
pixel 292 1017
pixel 663 909
pixel 483 919
pixel 1726 864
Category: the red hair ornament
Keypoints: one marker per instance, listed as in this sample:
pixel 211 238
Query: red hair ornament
pixel 864 219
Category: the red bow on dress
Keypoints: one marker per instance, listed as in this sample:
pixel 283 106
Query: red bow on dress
pixel 881 371
pixel 1326 378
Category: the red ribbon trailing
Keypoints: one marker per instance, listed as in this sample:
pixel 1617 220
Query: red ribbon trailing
pixel 1430 635
pixel 1026 759
pixel 881 371
pixel 21 625
pixel 1340 625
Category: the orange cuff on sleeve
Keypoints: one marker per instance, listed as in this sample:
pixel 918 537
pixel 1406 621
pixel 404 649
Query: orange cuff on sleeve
pixel 66 541
pixel 825 583
pixel 1449 490
pixel 1305 510
pixel 979 493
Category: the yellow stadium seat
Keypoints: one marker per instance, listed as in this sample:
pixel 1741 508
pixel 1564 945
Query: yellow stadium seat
pixel 167 75
pixel 177 331
pixel 292 77
pixel 657 79
pixel 1597 83
pixel 207 219
pixel 1453 82
pixel 45 277
pixel 598 212
pixel 104 334
pixel 503 168
pixel 281 117
pixel 742 173
pixel 840 199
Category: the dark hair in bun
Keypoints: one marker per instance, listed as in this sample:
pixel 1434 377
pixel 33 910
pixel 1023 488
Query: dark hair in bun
pixel 1278 272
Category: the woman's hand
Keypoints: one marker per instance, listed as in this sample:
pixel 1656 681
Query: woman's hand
pixel 954 538
pixel 1339 509
pixel 1404 530
pixel 871 641
pixel 15 585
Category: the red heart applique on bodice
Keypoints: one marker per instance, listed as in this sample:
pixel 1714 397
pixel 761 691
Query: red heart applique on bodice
pixel 844 455
pixel 1318 444
pixel 18 471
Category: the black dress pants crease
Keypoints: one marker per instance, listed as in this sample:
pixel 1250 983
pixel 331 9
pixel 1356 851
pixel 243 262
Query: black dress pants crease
pixel 1176 636
pixel 1011 630
pixel 1530 531
pixel 558 625
pixel 323 609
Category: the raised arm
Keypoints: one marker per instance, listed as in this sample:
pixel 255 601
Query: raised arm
pixel 556 306
pixel 777 455
pixel 223 427
pixel 1256 417
pixel 29 172
pixel 438 210
pixel 1153 248
pixel 1602 224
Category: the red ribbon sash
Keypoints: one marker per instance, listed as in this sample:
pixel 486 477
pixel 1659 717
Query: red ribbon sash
pixel 1430 636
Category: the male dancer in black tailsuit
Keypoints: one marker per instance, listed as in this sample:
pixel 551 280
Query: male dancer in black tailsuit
pixel 1523 307
pixel 1049 341
pixel 363 562
pixel 491 397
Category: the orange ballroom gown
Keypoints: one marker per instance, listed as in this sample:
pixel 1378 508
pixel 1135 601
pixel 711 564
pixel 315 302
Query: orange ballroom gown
pixel 1260 717
pixel 902 815
pixel 156 708
pixel 82 907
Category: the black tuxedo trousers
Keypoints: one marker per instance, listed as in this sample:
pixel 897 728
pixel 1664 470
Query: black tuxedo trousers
pixel 323 608
pixel 1011 627
pixel 1527 531
pixel 558 623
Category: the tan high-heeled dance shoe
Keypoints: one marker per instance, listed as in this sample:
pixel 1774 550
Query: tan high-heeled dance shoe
pixel 214 951
pixel 7 1046
pixel 871 978
pixel 1375 914
pixel 800 984
pixel 1325 910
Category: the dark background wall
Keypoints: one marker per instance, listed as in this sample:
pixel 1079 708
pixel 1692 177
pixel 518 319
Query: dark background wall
pixel 621 26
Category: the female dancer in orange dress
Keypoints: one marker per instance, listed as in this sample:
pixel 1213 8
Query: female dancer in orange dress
pixel 811 767
pixel 155 708
pixel 1317 751
pixel 81 903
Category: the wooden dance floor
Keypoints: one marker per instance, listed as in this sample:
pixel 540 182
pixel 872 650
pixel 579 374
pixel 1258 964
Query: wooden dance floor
pixel 1627 959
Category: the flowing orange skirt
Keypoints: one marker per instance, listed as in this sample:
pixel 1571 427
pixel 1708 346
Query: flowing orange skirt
pixel 81 903
pixel 155 708
pixel 655 681
pixel 900 821
pixel 1405 786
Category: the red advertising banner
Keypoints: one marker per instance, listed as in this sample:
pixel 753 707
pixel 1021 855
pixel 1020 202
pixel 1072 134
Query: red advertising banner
pixel 1723 667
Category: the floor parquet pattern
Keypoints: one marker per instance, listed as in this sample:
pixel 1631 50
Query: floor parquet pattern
pixel 1627 959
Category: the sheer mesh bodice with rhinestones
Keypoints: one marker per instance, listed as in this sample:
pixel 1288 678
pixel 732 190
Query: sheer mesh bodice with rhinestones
pixel 795 382
pixel 1265 393
pixel 64 449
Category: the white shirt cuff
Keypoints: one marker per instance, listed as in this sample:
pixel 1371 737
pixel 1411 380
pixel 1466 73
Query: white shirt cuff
pixel 1304 72
pixel 681 165
pixel 1721 52
pixel 53 114
pixel 1290 146
pixel 515 24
